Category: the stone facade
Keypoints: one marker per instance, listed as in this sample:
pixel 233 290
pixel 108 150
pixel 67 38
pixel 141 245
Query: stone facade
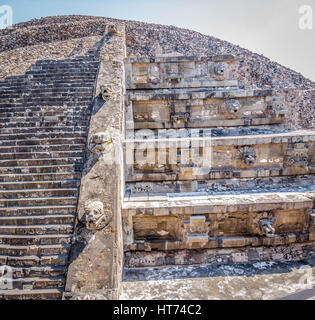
pixel 196 144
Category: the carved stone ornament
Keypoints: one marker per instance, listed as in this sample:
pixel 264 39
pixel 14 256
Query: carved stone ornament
pixel 233 106
pixel 94 216
pixel 266 227
pixel 277 107
pixel 111 29
pixel 263 224
pixel 219 68
pixel 297 155
pixel 177 117
pixel 105 94
pixel 248 155
pixel 100 143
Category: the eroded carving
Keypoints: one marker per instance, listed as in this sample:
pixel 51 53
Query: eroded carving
pixel 266 227
pixel 277 107
pixel 262 224
pixel 197 225
pixel 179 117
pixel 248 155
pixel 104 93
pixel 142 188
pixel 297 155
pixel 101 142
pixel 94 216
pixel 111 29
pixel 219 68
pixel 233 106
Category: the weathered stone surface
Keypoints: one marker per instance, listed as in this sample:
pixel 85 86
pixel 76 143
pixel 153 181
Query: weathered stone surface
pixel 244 208
pixel 169 204
pixel 44 112
pixel 96 255
pixel 176 71
pixel 220 256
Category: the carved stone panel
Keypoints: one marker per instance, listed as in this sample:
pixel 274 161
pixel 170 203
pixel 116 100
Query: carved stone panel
pixel 177 71
pixel 166 110
pixel 157 228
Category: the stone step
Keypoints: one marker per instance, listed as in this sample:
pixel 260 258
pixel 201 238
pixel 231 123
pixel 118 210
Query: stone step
pixel 61 82
pixel 17 87
pixel 35 193
pixel 41 177
pixel 36 229
pixel 38 271
pixel 44 114
pixel 45 250
pixel 65 168
pixel 15 97
pixel 51 78
pixel 73 79
pixel 44 130
pixel 40 148
pixel 38 138
pixel 38 211
pixel 48 68
pixel 46 118
pixel 38 99
pixel 51 143
pixel 19 91
pixel 32 185
pixel 35 239
pixel 39 155
pixel 36 294
pixel 41 124
pixel 61 72
pixel 71 64
pixel 38 283
pixel 45 103
pixel 33 260
pixel 40 162
pixel 39 109
pixel 42 201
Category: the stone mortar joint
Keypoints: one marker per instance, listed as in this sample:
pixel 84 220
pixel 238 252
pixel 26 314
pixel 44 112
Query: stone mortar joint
pixel 233 106
pixel 266 227
pixel 94 216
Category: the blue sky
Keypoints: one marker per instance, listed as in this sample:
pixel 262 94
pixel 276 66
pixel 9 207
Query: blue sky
pixel 268 27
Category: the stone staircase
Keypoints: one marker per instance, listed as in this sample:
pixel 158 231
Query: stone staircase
pixel 44 120
pixel 212 173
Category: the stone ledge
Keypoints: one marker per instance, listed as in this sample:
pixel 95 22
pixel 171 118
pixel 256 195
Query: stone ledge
pixel 292 252
pixel 193 93
pixel 199 203
pixel 181 58
pixel 221 242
